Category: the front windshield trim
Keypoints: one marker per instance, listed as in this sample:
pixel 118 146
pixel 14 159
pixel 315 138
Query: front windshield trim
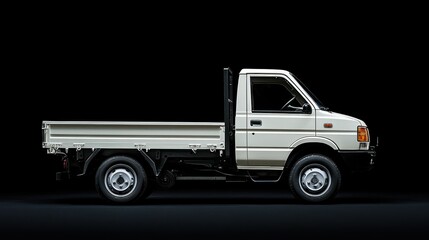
pixel 312 95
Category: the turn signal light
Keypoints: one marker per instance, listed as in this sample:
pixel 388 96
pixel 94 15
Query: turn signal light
pixel 362 134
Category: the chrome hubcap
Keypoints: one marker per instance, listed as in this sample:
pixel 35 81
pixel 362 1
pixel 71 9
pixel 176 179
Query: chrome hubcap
pixel 120 180
pixel 315 180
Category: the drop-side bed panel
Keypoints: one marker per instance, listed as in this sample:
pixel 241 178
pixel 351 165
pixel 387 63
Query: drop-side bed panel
pixel 131 135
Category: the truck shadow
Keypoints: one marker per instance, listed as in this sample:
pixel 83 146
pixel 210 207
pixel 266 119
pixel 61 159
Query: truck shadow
pixel 226 199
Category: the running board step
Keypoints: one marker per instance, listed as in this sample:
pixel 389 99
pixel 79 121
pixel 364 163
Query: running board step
pixel 265 176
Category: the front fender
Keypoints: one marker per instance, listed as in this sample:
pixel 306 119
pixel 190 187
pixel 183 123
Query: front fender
pixel 322 140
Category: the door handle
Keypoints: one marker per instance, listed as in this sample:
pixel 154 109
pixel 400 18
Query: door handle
pixel 256 123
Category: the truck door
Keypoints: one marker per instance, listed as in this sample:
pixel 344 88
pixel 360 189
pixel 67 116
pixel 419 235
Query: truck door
pixel 277 115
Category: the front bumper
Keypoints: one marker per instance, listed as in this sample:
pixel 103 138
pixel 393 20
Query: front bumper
pixel 359 161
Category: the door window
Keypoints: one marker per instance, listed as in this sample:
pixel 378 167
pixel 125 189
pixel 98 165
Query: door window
pixel 274 94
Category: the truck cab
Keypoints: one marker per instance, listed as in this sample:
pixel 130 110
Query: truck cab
pixel 280 122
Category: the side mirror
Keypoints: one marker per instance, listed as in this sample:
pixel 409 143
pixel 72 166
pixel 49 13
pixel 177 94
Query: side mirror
pixel 306 108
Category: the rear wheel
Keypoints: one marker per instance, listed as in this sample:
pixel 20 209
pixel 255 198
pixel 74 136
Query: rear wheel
pixel 121 179
pixel 315 178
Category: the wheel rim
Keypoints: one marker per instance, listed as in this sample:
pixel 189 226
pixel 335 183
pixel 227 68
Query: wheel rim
pixel 315 180
pixel 120 180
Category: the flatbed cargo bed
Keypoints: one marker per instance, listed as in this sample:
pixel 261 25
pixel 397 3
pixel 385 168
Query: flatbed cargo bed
pixel 133 135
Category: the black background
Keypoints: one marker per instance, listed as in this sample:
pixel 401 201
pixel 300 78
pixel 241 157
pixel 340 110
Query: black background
pixel 164 63
pixel 364 62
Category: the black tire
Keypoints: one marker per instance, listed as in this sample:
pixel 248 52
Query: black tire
pixel 121 179
pixel 315 178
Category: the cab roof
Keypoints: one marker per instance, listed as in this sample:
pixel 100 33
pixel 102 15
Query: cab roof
pixel 264 71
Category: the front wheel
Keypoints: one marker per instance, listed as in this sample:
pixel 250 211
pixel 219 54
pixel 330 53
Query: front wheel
pixel 121 179
pixel 315 178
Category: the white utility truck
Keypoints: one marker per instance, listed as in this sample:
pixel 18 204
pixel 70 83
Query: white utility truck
pixel 275 128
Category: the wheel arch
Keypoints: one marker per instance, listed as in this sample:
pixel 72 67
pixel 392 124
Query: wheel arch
pixel 326 148
pixel 91 165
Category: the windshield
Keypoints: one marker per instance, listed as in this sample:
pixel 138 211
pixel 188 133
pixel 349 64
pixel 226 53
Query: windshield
pixel 316 100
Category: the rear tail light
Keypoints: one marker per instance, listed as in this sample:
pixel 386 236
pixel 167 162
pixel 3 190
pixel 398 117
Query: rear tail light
pixel 65 163
pixel 362 134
